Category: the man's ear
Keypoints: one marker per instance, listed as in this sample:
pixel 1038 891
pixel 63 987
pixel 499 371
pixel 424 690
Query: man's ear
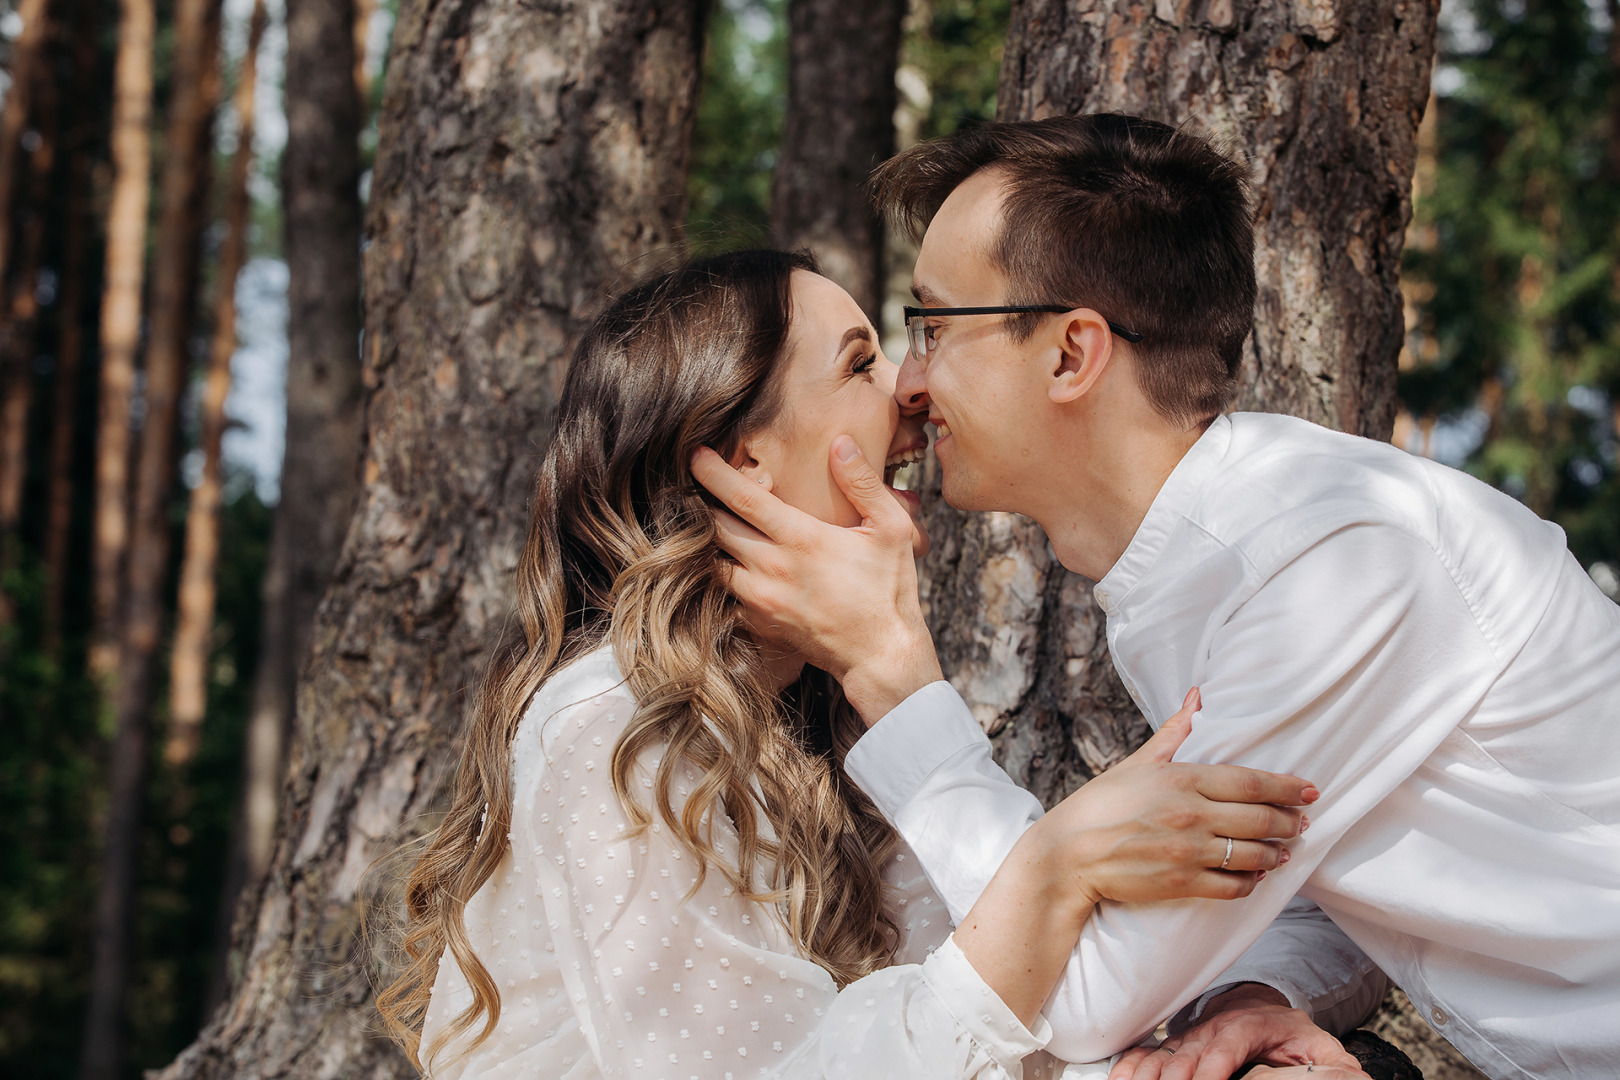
pixel 1085 348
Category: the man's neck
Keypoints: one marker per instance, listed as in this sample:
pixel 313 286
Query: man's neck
pixel 1096 506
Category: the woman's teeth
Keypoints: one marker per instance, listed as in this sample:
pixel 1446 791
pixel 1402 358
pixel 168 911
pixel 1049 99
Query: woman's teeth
pixel 906 457
pixel 892 467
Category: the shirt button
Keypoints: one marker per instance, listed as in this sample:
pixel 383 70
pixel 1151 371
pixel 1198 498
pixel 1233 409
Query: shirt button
pixel 1440 1016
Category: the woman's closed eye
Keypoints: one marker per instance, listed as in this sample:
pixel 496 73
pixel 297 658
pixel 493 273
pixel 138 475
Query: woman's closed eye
pixel 862 364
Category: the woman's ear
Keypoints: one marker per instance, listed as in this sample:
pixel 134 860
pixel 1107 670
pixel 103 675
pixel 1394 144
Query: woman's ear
pixel 748 460
pixel 1085 347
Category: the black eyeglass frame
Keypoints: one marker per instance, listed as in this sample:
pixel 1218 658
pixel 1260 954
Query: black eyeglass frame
pixel 911 313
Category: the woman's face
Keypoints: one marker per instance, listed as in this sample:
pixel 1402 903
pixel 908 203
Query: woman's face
pixel 836 382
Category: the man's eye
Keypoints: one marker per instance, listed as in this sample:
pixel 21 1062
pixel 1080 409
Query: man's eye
pixel 931 336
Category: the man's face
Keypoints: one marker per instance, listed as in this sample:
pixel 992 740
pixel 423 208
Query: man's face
pixel 985 394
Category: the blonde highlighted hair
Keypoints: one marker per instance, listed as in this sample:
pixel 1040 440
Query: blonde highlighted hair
pixel 622 548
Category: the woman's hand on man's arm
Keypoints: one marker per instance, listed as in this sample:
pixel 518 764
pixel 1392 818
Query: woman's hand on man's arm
pixel 1147 829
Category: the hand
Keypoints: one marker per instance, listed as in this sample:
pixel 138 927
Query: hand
pixel 843 598
pixel 1249 1023
pixel 1153 829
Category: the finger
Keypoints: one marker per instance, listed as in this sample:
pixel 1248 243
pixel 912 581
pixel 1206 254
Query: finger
pixel 1151 1066
pixel 1125 1067
pixel 863 485
pixel 1244 854
pixel 1235 783
pixel 1259 822
pixel 1219 1062
pixel 748 500
pixel 741 540
pixel 1223 884
pixel 1168 739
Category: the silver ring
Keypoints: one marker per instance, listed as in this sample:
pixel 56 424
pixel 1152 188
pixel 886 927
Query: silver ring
pixel 1169 1050
pixel 1228 858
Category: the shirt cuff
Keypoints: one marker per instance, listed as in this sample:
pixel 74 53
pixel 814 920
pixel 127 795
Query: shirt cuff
pixel 979 1010
pixel 900 751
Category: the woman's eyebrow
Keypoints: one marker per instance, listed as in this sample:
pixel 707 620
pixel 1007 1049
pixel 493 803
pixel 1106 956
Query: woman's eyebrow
pixel 854 333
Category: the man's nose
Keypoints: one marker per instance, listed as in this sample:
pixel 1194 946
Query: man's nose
pixel 911 386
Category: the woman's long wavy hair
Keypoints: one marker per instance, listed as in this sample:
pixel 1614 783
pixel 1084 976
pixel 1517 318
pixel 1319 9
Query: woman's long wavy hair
pixel 622 547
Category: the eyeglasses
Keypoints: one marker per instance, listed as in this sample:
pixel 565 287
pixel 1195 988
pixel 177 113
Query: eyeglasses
pixel 921 335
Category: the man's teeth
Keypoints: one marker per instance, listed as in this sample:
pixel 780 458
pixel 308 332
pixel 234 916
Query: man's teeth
pixel 906 457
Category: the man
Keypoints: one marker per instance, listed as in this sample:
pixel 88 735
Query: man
pixel 1420 646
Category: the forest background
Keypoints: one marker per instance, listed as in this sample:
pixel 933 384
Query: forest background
pixel 150 724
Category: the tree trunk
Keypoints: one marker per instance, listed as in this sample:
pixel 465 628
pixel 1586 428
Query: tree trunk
pixel 194 621
pixel 26 56
pixel 30 106
pixel 1325 101
pixel 529 154
pixel 320 466
pixel 121 323
pixel 76 240
pixel 839 124
pixel 187 157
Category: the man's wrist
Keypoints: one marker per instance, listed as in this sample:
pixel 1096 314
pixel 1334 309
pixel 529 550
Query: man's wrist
pixel 1248 995
pixel 877 685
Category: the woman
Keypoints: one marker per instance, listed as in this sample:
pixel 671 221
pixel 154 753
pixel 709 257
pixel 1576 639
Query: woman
pixel 653 864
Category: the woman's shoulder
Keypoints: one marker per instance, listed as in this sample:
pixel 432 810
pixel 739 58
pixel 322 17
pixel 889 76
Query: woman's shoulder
pixel 577 701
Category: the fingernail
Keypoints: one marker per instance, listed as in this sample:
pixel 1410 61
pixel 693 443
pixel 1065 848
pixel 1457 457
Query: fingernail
pixel 1261 876
pixel 1310 794
pixel 1284 857
pixel 1304 822
pixel 845 448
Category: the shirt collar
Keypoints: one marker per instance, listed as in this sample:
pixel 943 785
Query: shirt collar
pixel 1169 505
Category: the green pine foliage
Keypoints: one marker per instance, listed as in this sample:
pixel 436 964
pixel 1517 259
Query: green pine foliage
pixel 1514 262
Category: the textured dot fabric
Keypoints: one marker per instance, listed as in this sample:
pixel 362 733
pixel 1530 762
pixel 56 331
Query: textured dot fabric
pixel 610 965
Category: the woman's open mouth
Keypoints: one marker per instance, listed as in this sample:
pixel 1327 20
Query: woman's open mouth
pixel 900 459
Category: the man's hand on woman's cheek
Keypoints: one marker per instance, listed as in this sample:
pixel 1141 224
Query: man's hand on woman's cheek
pixel 1249 1023
pixel 844 599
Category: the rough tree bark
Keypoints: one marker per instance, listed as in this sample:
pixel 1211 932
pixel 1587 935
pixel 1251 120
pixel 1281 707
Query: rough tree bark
pixel 839 124
pixel 186 168
pixel 1324 99
pixel 194 620
pixel 529 154
pixel 124 275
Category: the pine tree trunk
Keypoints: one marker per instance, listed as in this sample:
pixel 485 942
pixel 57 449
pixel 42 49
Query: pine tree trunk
pixel 124 273
pixel 186 168
pixel 70 343
pixel 529 155
pixel 839 124
pixel 194 620
pixel 30 104
pixel 1325 101
pixel 320 466
pixel 26 56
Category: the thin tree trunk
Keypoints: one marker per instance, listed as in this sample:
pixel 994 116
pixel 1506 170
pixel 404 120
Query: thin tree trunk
pixel 529 155
pixel 26 56
pixel 124 274
pixel 1325 102
pixel 19 329
pixel 187 157
pixel 194 619
pixel 842 56
pixel 320 468
pixel 77 233
pixel 364 10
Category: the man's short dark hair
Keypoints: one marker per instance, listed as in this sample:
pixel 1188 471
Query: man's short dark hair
pixel 1145 223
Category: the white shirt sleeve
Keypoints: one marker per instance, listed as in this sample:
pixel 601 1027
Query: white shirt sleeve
pixel 1335 669
pixel 1304 955
pixel 671 977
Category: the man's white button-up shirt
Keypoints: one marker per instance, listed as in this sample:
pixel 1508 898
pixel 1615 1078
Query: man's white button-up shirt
pixel 1427 652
